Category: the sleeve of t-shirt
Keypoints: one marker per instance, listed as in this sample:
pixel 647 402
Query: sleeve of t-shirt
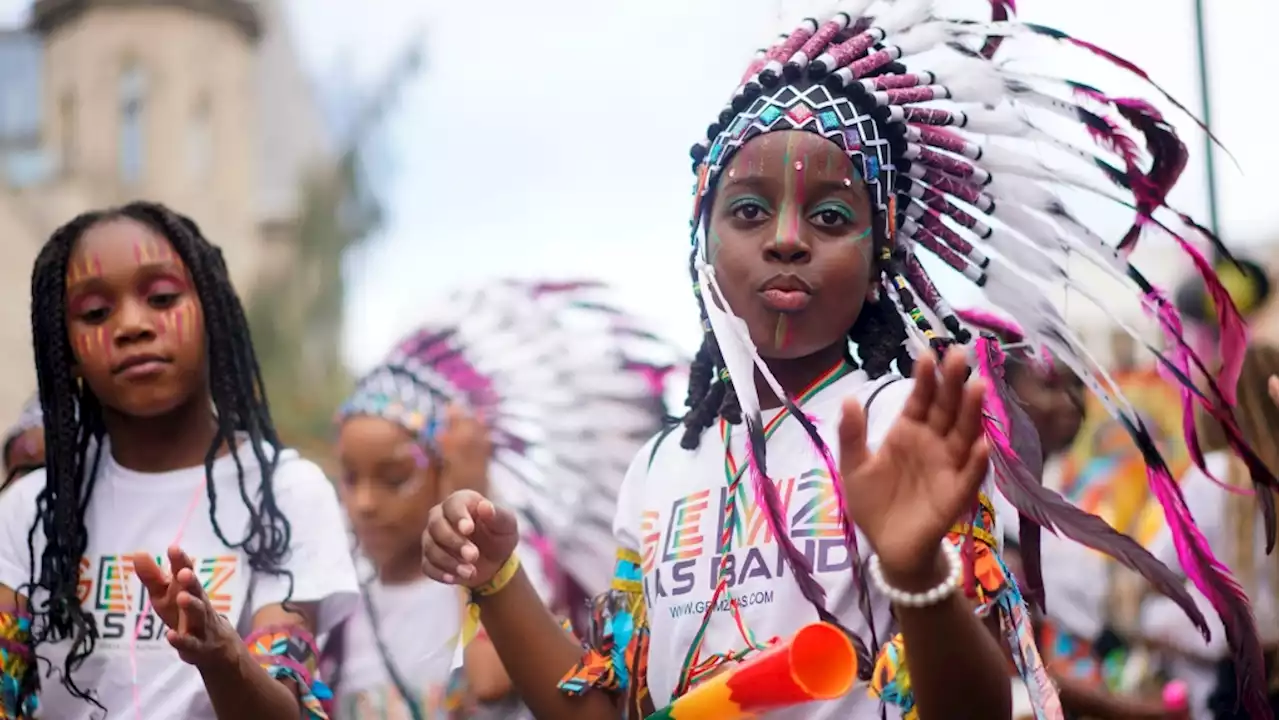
pixel 626 521
pixel 319 559
pixel 17 515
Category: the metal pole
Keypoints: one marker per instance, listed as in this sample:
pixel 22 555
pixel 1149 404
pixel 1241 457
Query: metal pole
pixel 1206 115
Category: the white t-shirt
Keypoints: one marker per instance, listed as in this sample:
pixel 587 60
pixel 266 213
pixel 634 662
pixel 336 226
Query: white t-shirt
pixel 669 513
pixel 130 512
pixel 419 624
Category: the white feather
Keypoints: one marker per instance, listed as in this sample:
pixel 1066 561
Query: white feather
pixel 919 39
pixel 903 14
pixel 969 79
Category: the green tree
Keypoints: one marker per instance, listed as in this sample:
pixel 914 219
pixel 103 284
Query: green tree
pixel 297 317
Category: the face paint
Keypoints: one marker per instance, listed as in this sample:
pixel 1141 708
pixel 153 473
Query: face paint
pixel 781 334
pixel 713 246
pixel 792 195
pixel 85 268
pixel 151 251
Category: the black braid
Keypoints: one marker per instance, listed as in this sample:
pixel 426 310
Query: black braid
pixel 73 418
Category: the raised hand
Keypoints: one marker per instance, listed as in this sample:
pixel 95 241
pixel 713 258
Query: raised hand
pixel 925 475
pixel 199 634
pixel 465 450
pixel 467 539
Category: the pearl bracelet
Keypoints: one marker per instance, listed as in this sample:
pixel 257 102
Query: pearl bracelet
pixel 925 599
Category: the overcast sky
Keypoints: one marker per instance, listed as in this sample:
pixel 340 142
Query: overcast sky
pixel 550 138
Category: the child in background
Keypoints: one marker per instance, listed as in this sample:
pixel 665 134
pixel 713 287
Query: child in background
pixel 560 411
pixel 24 443
pixel 172 561
pixel 1052 399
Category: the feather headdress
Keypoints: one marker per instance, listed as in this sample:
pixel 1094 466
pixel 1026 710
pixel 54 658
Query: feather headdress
pixel 569 385
pixel 961 160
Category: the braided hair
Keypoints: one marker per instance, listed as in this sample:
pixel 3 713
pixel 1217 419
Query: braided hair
pixel 74 425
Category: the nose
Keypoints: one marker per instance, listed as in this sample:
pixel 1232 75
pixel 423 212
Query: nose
pixel 362 499
pixel 788 248
pixel 134 323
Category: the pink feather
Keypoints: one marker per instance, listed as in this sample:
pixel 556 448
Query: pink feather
pixel 1215 582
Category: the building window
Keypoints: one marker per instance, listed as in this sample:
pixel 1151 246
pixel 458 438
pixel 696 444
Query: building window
pixel 200 141
pixel 133 92
pixel 67 135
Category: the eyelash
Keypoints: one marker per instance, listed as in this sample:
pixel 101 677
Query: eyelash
pixel 845 214
pixel 747 202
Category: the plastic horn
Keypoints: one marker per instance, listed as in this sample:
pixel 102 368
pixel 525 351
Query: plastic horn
pixel 1176 701
pixel 817 664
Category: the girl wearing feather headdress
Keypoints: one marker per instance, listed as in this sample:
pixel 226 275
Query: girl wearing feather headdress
pixel 831 467
pixel 503 373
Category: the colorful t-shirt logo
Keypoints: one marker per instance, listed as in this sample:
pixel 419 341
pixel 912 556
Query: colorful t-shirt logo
pixel 109 588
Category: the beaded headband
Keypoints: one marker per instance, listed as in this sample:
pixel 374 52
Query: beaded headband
pixel 952 146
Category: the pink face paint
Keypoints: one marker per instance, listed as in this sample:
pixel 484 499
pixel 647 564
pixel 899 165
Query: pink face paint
pixel 792 205
pixel 419 456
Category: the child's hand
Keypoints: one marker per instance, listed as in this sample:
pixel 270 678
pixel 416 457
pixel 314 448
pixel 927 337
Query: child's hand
pixel 467 540
pixel 924 477
pixel 199 634
pixel 465 449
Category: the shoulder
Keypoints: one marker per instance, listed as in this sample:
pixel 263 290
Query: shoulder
pixel 295 474
pixel 882 399
pixel 19 498
pixel 25 488
pixel 662 447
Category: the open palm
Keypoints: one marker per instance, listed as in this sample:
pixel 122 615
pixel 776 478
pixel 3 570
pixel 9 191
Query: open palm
pixel 925 475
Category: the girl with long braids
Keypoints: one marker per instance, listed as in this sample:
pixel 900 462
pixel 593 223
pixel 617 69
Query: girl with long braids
pixel 563 411
pixel 811 481
pixel 172 560
pixel 24 443
pixel 1234 527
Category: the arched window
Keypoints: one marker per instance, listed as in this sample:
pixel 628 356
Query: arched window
pixel 133 97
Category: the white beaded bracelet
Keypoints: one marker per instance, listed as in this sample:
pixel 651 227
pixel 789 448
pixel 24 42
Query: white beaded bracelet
pixel 928 597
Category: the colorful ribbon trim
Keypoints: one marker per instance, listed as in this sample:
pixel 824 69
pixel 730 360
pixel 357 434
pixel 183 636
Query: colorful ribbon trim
pixel 616 649
pixel 16 669
pixel 288 652
pixel 991 585
pixel 695 667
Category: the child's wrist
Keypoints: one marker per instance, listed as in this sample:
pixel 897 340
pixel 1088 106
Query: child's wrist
pixel 500 580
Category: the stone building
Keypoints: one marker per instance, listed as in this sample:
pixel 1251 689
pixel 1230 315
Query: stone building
pixel 200 104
